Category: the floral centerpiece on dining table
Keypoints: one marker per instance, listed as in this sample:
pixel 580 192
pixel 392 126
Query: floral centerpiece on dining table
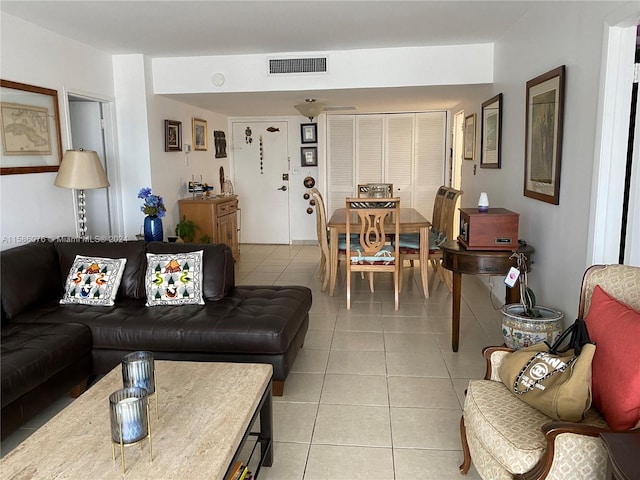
pixel 154 209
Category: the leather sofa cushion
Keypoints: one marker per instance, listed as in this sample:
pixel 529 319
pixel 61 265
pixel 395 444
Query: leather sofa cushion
pixel 250 319
pixel 29 275
pixel 132 284
pixel 33 353
pixel 217 265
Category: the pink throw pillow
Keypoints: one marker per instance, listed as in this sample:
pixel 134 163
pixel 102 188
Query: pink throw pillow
pixel 615 328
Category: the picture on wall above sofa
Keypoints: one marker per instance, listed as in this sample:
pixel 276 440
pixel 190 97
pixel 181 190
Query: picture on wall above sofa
pixel 30 127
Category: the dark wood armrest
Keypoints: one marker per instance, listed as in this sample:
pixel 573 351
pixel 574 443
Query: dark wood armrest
pixel 486 353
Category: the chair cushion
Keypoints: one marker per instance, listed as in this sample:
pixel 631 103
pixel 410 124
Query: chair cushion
pixel 412 240
pixel 508 428
pixel 383 257
pixel 342 240
pixel 615 327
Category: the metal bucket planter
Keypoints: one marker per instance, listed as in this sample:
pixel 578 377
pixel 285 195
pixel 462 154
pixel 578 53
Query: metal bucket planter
pixel 520 331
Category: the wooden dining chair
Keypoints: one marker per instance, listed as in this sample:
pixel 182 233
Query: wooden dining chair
pixel 378 217
pixel 444 206
pixel 410 242
pixel 365 189
pixel 323 240
pixel 443 232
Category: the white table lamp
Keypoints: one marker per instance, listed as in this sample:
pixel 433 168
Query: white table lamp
pixel 81 170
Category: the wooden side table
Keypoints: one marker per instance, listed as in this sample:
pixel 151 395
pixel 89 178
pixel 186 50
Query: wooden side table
pixel 623 449
pixel 477 262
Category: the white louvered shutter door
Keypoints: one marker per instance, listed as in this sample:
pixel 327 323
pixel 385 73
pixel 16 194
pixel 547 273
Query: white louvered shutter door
pixel 430 159
pixel 340 160
pixel 369 149
pixel 399 156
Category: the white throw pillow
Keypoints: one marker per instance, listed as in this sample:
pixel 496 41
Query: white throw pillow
pixel 174 279
pixel 93 281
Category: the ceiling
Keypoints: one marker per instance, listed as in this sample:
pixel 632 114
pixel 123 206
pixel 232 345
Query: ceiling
pixel 192 28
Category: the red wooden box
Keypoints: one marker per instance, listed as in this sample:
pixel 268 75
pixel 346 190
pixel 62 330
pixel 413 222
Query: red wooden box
pixel 496 229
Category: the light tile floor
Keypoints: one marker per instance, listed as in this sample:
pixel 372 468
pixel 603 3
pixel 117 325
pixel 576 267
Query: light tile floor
pixel 374 393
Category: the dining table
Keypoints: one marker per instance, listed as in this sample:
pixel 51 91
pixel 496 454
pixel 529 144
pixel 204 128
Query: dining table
pixel 411 221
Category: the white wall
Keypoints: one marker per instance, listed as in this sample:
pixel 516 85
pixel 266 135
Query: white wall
pixel 380 67
pixel 540 41
pixel 170 171
pixel 31 204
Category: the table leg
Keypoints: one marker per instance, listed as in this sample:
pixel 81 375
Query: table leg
pixel 266 431
pixel 455 317
pixel 424 260
pixel 333 254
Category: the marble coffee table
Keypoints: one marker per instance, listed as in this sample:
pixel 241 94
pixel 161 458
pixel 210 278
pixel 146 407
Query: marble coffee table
pixel 205 410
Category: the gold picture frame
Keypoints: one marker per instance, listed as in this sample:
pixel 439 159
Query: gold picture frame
pixel 200 134
pixel 469 137
pixel 543 136
pixel 30 129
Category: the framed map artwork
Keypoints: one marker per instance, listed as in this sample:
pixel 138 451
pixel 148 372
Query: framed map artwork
pixel 30 129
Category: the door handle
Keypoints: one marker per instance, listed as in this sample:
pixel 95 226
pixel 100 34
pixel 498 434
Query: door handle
pixel 283 188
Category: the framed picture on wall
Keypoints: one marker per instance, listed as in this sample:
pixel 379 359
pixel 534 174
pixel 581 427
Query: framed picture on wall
pixel 469 136
pixel 309 132
pixel 220 142
pixel 199 134
pixel 30 129
pixel 172 136
pixel 491 133
pixel 543 136
pixel 309 156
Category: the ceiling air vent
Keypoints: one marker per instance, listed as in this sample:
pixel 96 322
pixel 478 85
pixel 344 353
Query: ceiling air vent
pixel 297 65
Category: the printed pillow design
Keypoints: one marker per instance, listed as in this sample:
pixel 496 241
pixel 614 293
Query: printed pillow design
pixel 93 281
pixel 174 279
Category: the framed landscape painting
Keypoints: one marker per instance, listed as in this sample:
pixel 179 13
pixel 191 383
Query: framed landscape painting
pixel 199 134
pixel 30 129
pixel 543 136
pixel 491 133
pixel 469 137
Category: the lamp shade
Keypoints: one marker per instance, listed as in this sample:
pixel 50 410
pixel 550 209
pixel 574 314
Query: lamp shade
pixel 81 169
pixel 310 108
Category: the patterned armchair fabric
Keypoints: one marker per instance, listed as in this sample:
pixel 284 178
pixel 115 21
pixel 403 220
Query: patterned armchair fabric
pixel 506 438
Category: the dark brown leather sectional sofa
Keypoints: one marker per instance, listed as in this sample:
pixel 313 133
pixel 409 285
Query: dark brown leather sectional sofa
pixel 47 348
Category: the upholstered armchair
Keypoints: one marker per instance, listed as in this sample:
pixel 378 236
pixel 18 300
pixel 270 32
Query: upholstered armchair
pixel 506 438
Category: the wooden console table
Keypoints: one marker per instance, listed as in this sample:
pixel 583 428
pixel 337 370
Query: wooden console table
pixel 477 262
pixel 216 218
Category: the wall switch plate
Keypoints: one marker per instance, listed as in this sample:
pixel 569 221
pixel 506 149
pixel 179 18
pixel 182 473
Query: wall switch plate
pixel 187 148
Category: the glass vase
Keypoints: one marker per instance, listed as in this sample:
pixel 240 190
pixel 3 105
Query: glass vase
pixel 153 228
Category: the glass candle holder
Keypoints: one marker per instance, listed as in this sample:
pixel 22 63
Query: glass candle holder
pixel 129 412
pixel 129 415
pixel 138 371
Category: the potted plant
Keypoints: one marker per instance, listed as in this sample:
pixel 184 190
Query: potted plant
pixel 527 323
pixel 186 229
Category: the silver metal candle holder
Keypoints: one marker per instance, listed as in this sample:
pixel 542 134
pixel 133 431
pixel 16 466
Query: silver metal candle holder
pixel 129 413
pixel 138 370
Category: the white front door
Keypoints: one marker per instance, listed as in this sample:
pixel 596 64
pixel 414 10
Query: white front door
pixel 260 163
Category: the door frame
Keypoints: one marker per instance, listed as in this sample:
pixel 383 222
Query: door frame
pixel 610 156
pixel 110 152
